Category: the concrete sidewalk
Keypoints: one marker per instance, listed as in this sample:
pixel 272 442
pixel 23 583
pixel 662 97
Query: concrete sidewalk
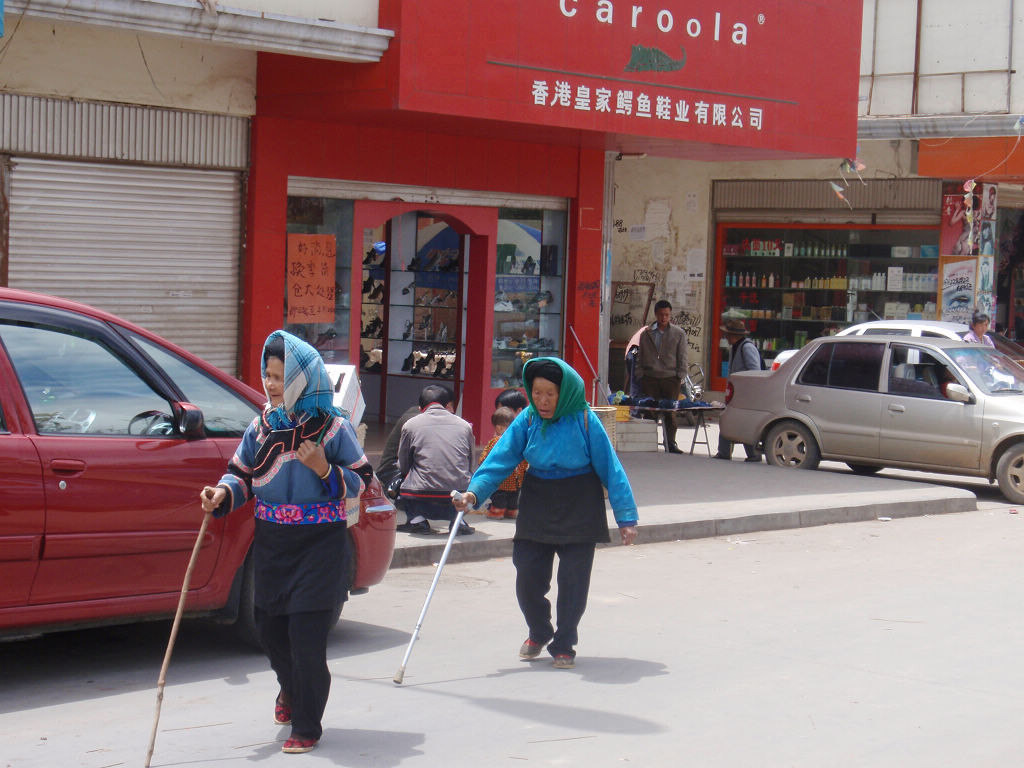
pixel 688 497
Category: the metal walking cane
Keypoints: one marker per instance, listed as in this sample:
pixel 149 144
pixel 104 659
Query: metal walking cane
pixel 400 674
pixel 174 633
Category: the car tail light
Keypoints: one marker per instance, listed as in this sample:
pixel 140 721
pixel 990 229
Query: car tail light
pixel 775 365
pixel 728 392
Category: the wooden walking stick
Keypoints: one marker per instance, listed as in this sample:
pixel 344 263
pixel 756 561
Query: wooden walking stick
pixel 174 632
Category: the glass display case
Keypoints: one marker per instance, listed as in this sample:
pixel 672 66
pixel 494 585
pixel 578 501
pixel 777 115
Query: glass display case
pixel 374 300
pixel 528 291
pixel 317 277
pixel 793 283
pixel 424 319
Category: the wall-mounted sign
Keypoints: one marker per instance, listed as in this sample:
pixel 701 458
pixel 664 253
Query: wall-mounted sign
pixel 773 75
pixel 309 278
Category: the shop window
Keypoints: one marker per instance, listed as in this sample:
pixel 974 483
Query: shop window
pixel 528 291
pixel 792 284
pixel 318 271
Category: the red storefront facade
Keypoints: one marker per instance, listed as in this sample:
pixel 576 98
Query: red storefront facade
pixel 479 112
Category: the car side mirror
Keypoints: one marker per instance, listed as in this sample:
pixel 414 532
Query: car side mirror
pixel 188 420
pixel 958 393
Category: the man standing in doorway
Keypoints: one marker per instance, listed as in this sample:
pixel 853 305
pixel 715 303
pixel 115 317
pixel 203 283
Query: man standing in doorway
pixel 662 363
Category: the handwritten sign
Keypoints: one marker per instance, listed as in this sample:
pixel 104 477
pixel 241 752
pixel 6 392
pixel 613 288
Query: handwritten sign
pixel 631 303
pixel 310 278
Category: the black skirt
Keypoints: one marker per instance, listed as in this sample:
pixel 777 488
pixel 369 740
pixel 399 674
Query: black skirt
pixel 300 567
pixel 568 510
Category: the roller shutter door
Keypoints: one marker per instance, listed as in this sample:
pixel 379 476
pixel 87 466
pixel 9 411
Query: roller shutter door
pixel 157 246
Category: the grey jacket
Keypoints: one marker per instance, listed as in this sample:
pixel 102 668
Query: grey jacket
pixel 670 361
pixel 435 453
pixel 744 357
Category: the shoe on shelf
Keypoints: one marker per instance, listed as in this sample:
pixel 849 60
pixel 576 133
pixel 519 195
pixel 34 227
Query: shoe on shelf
pixel 296 745
pixel 282 712
pixel 530 649
pixel 563 661
pixel 464 529
pixel 421 527
pixel 674 449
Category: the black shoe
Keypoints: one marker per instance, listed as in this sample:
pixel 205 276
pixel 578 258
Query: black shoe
pixel 674 449
pixel 421 527
pixel 720 456
pixel 464 529
pixel 755 459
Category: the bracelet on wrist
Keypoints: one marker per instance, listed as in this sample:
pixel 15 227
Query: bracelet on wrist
pixel 327 474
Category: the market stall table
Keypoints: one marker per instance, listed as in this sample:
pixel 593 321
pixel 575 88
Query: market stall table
pixel 700 424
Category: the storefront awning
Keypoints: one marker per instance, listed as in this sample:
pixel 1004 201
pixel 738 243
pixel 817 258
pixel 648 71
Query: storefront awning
pixel 213 23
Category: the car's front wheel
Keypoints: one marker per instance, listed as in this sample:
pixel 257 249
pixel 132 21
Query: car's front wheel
pixel 790 444
pixel 1010 473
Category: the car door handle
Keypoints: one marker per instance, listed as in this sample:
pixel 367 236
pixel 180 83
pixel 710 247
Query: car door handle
pixel 803 398
pixel 897 408
pixel 67 466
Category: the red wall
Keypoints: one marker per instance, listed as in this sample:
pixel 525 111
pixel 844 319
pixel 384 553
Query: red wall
pixel 375 152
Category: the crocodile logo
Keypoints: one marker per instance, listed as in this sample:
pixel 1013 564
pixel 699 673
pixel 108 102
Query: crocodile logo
pixel 644 59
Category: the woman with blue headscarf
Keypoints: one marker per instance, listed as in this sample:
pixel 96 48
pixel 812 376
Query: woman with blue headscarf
pixel 301 460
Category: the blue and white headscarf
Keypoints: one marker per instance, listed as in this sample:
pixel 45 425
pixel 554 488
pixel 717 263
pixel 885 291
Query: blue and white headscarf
pixel 308 390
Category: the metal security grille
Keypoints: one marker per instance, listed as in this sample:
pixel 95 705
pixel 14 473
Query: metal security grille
pixel 157 246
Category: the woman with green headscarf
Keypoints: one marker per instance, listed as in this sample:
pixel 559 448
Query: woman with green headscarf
pixel 561 507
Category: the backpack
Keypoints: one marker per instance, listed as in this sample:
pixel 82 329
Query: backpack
pixel 764 365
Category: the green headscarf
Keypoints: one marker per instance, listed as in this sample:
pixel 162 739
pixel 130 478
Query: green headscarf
pixel 571 391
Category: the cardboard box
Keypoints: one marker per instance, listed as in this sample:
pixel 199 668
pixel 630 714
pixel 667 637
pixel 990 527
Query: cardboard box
pixel 636 435
pixel 347 394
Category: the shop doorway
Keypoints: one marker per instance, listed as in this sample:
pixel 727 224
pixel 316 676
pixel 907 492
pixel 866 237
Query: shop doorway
pixel 411 326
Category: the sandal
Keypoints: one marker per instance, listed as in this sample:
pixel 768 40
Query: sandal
pixel 282 713
pixel 296 744
pixel 563 661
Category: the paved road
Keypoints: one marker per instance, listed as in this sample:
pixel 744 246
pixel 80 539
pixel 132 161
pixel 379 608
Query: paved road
pixel 869 644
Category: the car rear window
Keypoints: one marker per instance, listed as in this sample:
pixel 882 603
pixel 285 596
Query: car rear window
pixel 845 365
pixel 886 332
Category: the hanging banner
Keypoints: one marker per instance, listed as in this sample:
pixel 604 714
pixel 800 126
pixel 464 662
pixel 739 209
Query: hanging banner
pixel 957 288
pixel 310 278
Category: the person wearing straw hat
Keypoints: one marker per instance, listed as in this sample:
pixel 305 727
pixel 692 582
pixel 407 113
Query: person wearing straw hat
pixel 662 363
pixel 300 459
pixel 743 356
pixel 561 506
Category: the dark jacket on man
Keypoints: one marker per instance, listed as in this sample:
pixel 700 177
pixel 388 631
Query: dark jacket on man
pixel 435 454
pixel 668 361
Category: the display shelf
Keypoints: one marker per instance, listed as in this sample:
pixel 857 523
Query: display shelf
pixel 831 275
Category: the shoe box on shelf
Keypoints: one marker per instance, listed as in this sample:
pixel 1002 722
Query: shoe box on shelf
pixel 636 435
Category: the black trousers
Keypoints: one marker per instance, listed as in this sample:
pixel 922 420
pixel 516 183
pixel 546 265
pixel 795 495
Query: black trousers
pixel 534 561
pixel 296 644
pixel 664 389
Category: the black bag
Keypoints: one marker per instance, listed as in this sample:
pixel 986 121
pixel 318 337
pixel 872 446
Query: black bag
pixel 764 365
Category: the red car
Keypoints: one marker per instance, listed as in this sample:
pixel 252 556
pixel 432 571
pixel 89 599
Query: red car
pixel 107 435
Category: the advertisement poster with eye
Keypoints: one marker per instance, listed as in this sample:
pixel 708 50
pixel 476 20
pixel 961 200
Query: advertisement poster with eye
pixel 958 276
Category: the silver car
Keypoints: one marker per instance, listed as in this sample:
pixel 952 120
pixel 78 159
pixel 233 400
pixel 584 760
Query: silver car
pixel 932 404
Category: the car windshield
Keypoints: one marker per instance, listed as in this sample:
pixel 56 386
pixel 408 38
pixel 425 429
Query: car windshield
pixel 989 369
